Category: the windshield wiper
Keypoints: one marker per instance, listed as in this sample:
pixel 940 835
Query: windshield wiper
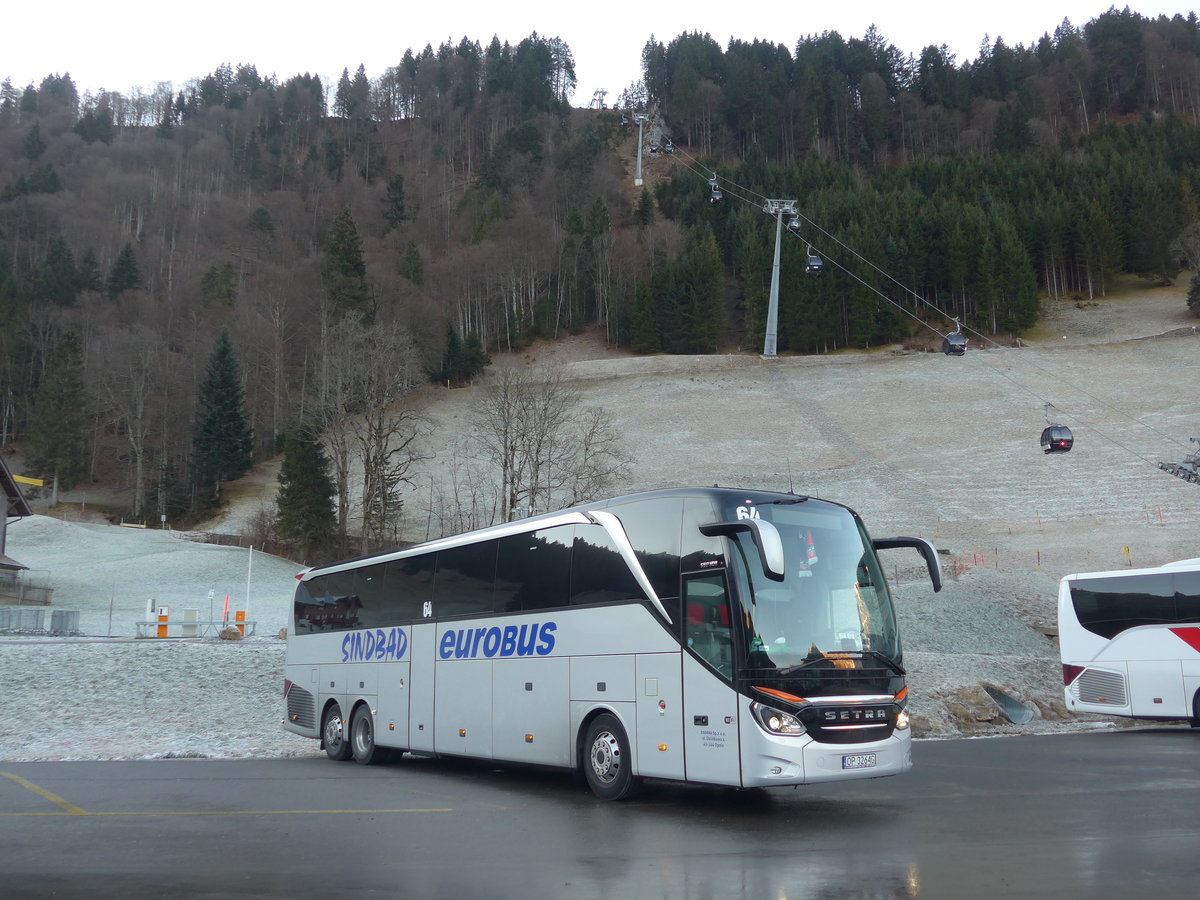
pixel 846 654
pixel 891 663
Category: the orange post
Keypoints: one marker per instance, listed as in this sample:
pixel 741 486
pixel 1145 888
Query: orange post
pixel 162 621
pixel 240 618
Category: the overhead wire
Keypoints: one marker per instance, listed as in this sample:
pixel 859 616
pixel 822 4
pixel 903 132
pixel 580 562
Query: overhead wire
pixel 708 173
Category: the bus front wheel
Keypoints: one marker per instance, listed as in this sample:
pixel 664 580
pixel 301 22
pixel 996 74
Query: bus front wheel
pixel 1195 719
pixel 333 734
pixel 362 738
pixel 607 762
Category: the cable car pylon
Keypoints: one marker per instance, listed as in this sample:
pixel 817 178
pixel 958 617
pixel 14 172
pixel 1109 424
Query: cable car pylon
pixel 778 209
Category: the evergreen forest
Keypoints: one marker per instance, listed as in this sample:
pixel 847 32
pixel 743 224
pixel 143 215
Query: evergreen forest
pixel 194 277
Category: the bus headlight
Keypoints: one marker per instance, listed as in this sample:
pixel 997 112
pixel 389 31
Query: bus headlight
pixel 776 721
pixel 902 720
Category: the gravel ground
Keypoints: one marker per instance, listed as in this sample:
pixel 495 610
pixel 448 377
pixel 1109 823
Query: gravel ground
pixel 919 443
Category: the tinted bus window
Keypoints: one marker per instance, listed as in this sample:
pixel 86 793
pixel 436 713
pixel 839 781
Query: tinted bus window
pixel 1187 596
pixel 376 608
pixel 533 571
pixel 409 582
pixel 598 571
pixel 1108 606
pixel 310 606
pixel 462 585
pixel 653 529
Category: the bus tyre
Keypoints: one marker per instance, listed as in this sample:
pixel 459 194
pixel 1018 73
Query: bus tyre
pixel 333 734
pixel 1194 721
pixel 362 738
pixel 607 761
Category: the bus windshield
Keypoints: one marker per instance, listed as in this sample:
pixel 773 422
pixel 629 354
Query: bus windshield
pixel 832 600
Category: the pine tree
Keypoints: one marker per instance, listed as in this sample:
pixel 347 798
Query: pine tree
pixel 344 271
pixel 58 279
pixel 411 266
pixel 56 427
pixel 393 202
pixel 643 336
pixel 87 273
pixel 34 146
pixel 222 441
pixel 305 499
pixel 124 274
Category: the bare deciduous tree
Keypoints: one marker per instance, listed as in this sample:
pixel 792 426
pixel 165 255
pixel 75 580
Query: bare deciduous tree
pixel 125 366
pixel 368 423
pixel 547 448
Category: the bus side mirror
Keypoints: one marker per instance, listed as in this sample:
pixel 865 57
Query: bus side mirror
pixel 765 536
pixel 923 547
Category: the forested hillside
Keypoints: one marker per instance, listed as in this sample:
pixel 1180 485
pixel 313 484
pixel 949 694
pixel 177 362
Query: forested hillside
pixel 189 275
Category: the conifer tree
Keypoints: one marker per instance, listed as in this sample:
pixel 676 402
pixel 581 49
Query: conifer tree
pixel 56 427
pixel 87 273
pixel 222 439
pixel 305 499
pixel 58 280
pixel 411 266
pixel 344 270
pixel 393 202
pixel 124 274
pixel 34 146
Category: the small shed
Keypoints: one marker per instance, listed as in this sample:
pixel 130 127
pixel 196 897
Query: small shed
pixel 15 507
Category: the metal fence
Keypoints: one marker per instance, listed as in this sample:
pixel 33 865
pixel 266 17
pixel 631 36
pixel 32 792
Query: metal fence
pixel 32 620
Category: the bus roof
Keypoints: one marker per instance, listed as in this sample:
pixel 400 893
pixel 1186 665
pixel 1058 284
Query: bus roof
pixel 1182 564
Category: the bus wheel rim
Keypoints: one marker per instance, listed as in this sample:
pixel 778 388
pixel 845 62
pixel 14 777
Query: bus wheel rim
pixel 333 731
pixel 606 757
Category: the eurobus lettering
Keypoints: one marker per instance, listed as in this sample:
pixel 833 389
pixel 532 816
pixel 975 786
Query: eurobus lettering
pixel 511 640
pixel 711 635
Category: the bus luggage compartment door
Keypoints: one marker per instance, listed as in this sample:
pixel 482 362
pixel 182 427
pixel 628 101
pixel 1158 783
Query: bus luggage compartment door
pixel 1156 688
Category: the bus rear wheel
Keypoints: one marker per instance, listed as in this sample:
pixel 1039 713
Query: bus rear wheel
pixel 1194 721
pixel 607 761
pixel 362 738
pixel 333 734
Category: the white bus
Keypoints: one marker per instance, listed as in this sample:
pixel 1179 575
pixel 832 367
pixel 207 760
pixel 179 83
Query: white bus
pixel 713 635
pixel 1130 642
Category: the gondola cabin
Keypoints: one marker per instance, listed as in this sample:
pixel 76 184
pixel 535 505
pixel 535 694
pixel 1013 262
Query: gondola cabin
pixel 1057 439
pixel 954 344
pixel 815 264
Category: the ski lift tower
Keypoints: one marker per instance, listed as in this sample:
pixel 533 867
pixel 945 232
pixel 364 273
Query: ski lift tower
pixel 641 120
pixel 598 96
pixel 778 209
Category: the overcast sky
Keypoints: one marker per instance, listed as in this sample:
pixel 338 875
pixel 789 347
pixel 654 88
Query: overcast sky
pixel 138 43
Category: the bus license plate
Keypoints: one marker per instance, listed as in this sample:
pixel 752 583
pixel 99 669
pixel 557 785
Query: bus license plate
pixel 859 761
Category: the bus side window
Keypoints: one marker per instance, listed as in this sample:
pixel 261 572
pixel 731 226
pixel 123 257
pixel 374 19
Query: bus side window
pixel 463 582
pixel 598 571
pixel 708 627
pixel 1187 596
pixel 409 582
pixel 533 571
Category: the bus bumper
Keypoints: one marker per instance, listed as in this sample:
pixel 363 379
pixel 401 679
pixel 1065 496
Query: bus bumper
pixel 781 760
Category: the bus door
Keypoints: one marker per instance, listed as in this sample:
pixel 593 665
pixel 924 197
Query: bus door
pixel 710 725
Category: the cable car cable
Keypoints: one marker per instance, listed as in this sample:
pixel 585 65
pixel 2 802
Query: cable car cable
pixel 930 305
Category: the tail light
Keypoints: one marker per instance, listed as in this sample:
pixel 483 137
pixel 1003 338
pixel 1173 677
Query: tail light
pixel 1070 673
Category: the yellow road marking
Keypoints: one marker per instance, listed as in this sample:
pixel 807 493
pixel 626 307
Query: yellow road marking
pixel 76 811
pixel 65 806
